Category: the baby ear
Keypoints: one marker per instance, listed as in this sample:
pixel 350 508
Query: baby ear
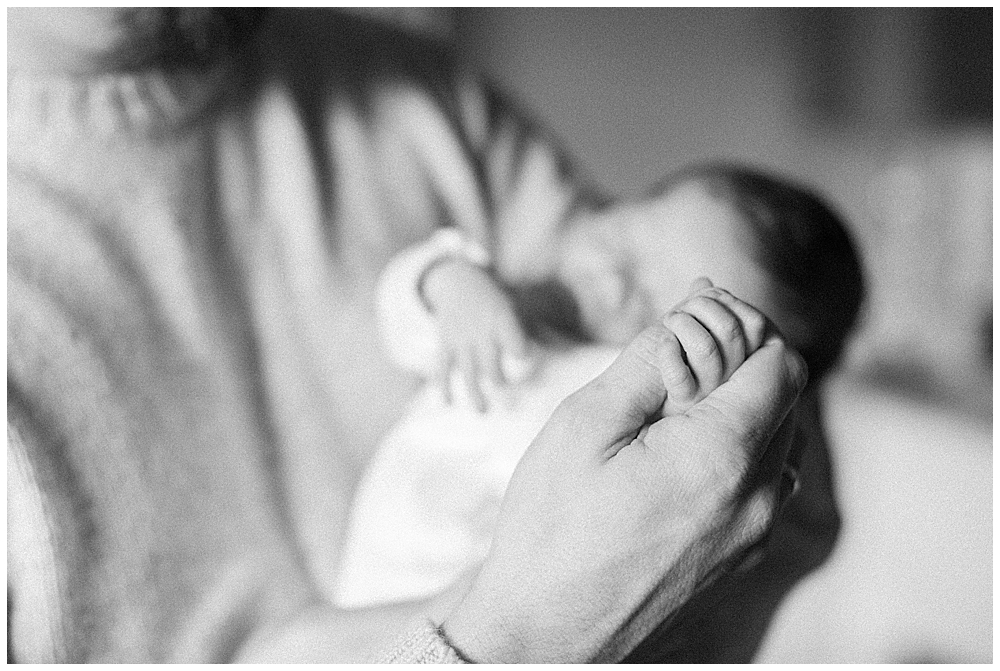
pixel 613 306
pixel 608 288
pixel 596 269
pixel 597 282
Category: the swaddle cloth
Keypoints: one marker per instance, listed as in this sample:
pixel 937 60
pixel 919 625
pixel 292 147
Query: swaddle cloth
pixel 426 507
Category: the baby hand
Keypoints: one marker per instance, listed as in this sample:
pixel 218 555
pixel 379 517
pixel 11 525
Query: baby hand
pixel 713 333
pixel 481 337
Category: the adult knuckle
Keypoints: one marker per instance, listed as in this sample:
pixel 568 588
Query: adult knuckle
pixel 653 344
pixel 718 292
pixel 737 442
pixel 698 300
pixel 733 470
pixel 676 376
pixel 755 324
pixel 732 461
pixel 571 406
pixel 751 437
pixel 676 316
pixel 760 512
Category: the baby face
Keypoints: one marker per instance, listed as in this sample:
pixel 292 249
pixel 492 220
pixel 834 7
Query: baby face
pixel 631 265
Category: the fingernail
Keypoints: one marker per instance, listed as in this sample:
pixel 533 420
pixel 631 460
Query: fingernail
pixel 789 486
pixel 751 559
pixel 797 366
pixel 700 283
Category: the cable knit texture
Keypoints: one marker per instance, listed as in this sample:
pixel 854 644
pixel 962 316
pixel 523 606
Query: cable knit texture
pixel 424 645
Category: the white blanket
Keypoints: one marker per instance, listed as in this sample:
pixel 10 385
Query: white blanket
pixel 426 507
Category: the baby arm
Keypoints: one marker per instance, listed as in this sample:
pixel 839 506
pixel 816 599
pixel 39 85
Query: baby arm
pixel 481 337
pixel 712 333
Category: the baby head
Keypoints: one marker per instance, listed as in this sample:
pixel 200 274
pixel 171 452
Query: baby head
pixel 770 242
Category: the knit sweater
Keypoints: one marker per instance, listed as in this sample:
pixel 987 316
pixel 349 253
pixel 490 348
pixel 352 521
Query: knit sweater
pixel 194 380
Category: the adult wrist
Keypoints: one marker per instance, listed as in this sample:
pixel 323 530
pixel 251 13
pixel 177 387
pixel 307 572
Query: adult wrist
pixel 482 638
pixel 427 644
pixel 490 630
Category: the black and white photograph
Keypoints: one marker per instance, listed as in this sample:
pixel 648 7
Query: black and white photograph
pixel 439 335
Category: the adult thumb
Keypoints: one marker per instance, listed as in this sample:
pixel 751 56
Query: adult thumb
pixel 614 406
pixel 753 403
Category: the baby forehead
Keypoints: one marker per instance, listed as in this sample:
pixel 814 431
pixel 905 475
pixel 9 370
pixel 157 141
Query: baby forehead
pixel 693 207
pixel 689 218
pixel 675 237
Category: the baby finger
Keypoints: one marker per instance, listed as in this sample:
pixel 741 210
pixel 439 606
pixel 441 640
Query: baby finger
pixel 441 374
pixel 678 380
pixel 724 327
pixel 490 371
pixel 516 360
pixel 755 323
pixel 700 349
pixel 469 368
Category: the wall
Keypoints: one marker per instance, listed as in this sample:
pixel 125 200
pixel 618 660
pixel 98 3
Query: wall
pixel 637 93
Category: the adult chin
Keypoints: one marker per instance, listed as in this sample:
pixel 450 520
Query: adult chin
pixel 88 39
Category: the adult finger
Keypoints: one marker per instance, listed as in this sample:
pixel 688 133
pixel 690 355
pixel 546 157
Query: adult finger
pixel 771 469
pixel 770 487
pixel 699 284
pixel 753 403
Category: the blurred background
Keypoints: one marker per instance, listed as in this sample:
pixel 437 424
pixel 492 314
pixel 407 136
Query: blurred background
pixel 889 113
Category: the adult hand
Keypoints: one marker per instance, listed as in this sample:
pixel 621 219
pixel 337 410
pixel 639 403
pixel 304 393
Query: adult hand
pixel 615 518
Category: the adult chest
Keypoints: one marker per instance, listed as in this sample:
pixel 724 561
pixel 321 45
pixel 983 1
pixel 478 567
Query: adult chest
pixel 313 216
pixel 313 219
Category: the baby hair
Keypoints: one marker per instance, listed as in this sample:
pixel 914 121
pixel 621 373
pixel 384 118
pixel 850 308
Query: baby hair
pixel 803 245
